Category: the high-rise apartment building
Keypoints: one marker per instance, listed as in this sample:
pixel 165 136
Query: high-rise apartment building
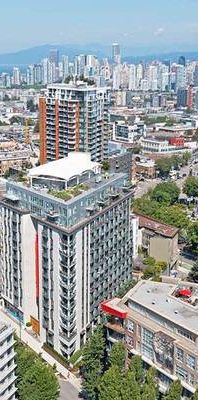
pixel 74 118
pixel 195 75
pixel 180 76
pixel 182 97
pixel 132 77
pixel 54 56
pixel 116 54
pixel 7 363
pixel 61 258
pixel 16 76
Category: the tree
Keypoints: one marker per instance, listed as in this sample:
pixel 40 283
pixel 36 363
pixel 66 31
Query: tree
pixel 145 206
pixel 191 186
pixel 118 355
pixel 93 363
pixel 38 383
pixel 192 235
pixel 167 192
pixel 136 366
pixel 105 165
pixel 173 215
pixel 175 391
pixel 31 106
pixel 164 166
pixel 35 380
pixel 110 385
pixel 195 396
pixel 193 274
pixel 125 288
pixel 148 392
pixel 16 120
pixel 130 389
pixel 186 157
pixel 151 382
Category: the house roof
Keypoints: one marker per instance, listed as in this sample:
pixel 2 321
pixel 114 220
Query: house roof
pixel 156 226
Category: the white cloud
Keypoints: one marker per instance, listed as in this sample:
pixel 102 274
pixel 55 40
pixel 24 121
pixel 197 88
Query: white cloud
pixel 159 32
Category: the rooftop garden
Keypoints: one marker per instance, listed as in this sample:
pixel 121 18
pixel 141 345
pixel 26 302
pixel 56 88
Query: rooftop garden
pixel 69 193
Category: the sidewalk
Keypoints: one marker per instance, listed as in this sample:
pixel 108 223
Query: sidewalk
pixel 35 344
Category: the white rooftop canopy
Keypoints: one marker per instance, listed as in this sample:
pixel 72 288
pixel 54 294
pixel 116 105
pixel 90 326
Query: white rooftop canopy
pixel 76 163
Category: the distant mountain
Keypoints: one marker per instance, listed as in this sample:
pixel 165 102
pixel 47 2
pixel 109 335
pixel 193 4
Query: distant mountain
pixel 35 54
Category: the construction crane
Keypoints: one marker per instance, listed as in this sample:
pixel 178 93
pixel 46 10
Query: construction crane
pixel 27 132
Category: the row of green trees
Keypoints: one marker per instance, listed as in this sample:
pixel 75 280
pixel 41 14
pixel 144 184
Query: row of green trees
pixel 191 186
pixel 165 164
pixel 35 379
pixel 110 378
pixel 162 203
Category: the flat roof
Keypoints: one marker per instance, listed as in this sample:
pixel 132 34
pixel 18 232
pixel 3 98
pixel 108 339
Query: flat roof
pixel 156 226
pixel 75 164
pixel 158 297
pixel 80 85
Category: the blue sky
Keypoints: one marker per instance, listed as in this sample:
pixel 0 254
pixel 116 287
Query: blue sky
pixel 141 24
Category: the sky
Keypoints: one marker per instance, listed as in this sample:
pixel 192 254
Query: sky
pixel 144 25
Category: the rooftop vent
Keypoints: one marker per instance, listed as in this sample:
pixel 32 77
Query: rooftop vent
pixel 176 312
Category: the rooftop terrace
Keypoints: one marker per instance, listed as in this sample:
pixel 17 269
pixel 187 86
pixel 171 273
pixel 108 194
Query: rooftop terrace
pixel 160 298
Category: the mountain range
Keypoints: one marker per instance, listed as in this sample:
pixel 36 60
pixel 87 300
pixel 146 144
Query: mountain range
pixel 35 54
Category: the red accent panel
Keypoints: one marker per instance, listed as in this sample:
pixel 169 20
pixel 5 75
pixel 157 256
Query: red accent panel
pixel 37 266
pixel 109 309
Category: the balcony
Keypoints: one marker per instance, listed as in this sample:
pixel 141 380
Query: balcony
pixel 9 393
pixel 6 371
pixel 67 285
pixel 69 317
pixel 69 337
pixel 8 382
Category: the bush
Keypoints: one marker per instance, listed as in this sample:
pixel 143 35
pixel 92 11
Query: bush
pixel 62 360
pixel 75 357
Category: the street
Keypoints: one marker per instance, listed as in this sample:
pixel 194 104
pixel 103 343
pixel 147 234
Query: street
pixel 143 187
pixel 68 391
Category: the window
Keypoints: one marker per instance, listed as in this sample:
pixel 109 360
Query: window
pixel 147 337
pixel 182 373
pixel 191 379
pixel 179 354
pixel 130 326
pixel 190 361
pixel 147 351
pixel 186 334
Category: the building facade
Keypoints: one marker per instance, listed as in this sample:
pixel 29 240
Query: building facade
pixel 158 321
pixel 158 240
pixel 62 258
pixel 7 363
pixel 74 118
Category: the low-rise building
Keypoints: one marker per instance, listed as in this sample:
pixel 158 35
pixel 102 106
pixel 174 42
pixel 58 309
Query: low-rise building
pixel 153 145
pixel 158 321
pixel 145 166
pixel 13 159
pixel 158 240
pixel 129 133
pixel 7 363
pixel 121 162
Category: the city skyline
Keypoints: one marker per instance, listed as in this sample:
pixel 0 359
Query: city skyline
pixel 143 27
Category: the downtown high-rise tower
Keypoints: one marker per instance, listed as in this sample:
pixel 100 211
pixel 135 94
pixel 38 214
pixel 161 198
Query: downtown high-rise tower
pixel 74 117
